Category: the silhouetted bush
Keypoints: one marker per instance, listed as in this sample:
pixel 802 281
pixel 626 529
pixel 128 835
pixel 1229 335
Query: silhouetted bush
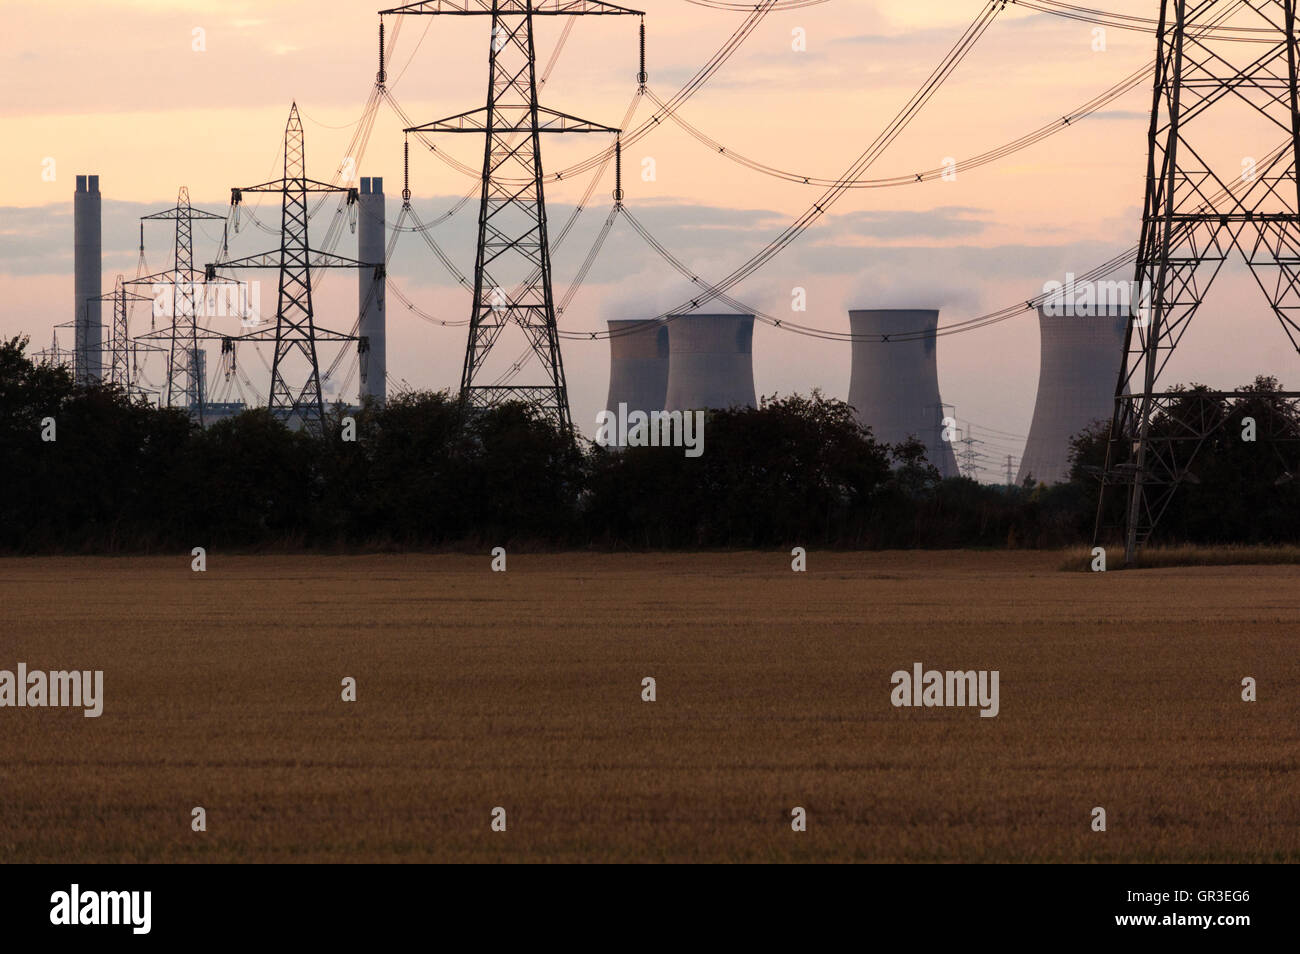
pixel 423 471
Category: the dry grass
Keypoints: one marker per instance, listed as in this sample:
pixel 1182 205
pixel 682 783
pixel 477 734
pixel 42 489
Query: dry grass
pixel 523 690
pixel 1149 558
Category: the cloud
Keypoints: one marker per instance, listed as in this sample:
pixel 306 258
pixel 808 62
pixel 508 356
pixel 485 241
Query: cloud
pixel 882 285
pixel 942 222
pixel 1122 114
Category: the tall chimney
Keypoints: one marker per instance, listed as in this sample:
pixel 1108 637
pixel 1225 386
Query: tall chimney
pixel 710 362
pixel 894 385
pixel 87 252
pixel 199 371
pixel 371 242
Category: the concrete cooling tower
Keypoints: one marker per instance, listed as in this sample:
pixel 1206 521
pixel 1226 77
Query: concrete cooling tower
pixel 894 385
pixel 710 362
pixel 87 317
pixel 1079 364
pixel 638 365
pixel 370 291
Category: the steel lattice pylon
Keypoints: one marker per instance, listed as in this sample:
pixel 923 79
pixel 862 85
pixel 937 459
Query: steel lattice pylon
pixel 512 267
pixel 119 344
pixel 184 387
pixel 295 393
pixel 1196 213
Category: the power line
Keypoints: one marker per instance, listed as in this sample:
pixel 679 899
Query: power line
pixel 733 43
pixel 1094 105
pixel 1218 31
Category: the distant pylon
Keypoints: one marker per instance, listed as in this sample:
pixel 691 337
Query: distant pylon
pixel 183 386
pixel 1195 214
pixel 119 342
pixel 970 457
pixel 141 266
pixel 295 393
pixel 512 267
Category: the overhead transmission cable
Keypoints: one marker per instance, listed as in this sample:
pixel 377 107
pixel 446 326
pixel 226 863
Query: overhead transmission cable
pixel 922 96
pixel 1217 31
pixel 919 99
pixel 743 7
pixel 1127 258
pixel 1094 105
pixel 757 12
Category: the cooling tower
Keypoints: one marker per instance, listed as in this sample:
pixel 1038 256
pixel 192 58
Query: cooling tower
pixel 894 385
pixel 87 319
pixel 710 362
pixel 1078 367
pixel 370 248
pixel 638 365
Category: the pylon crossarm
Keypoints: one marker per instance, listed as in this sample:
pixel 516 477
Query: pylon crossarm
pixel 548 120
pixel 538 8
pixel 191 213
pixel 272 260
pixel 292 185
pixel 126 295
pixel 193 275
pixel 269 334
pixel 160 334
pixel 1217 395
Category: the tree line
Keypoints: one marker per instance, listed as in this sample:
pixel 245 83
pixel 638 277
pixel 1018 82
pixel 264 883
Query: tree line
pixel 122 475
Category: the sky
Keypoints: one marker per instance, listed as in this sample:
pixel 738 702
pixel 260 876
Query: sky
pixel 152 95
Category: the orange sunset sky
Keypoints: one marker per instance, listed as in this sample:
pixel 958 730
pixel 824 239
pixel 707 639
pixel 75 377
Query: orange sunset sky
pixel 115 87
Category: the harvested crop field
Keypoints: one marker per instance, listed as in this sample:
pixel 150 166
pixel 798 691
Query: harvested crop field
pixel 523 690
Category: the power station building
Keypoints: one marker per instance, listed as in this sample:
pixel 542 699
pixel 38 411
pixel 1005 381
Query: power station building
pixel 87 254
pixel 894 385
pixel 1078 367
pixel 371 245
pixel 638 365
pixel 710 362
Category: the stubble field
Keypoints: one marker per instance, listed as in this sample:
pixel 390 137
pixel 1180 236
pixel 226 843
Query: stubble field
pixel 524 690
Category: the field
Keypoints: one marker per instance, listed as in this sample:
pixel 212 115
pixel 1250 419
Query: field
pixel 523 690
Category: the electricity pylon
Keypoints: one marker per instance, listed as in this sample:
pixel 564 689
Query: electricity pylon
pixel 512 266
pixel 969 457
pixel 119 342
pixel 1197 212
pixel 183 363
pixel 295 392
